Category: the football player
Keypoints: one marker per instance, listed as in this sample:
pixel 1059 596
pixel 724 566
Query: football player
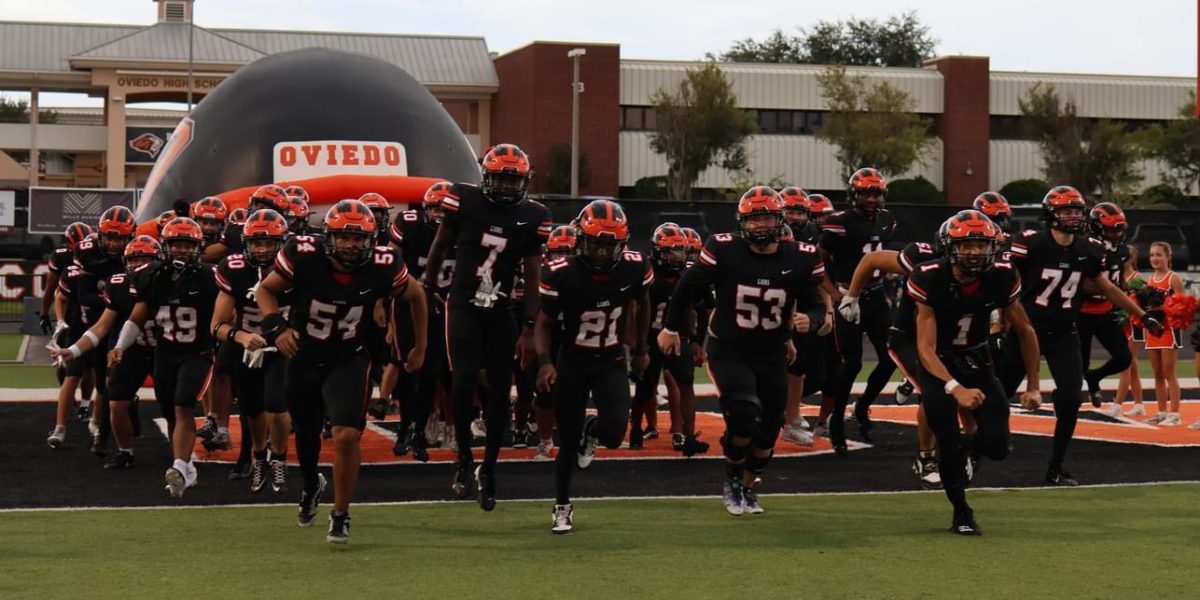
pixel 492 227
pixel 954 298
pixel 595 292
pixel 177 294
pixel 1098 317
pixel 1054 263
pixel 412 234
pixel 846 237
pixel 764 289
pixel 126 377
pixel 258 371
pixel 335 282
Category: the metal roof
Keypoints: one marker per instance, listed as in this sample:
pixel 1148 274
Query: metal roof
pixel 49 47
pixel 169 42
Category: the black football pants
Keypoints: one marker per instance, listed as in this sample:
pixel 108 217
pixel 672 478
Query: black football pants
pixel 1060 346
pixel 480 339
pixel 874 321
pixel 1112 337
pixel 607 380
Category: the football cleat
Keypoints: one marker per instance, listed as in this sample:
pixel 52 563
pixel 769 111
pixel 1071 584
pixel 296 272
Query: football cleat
pixel 587 444
pixel 1059 476
pixel 562 519
pixel 636 441
pixel 309 501
pixel 862 414
pixel 420 447
pixel 339 528
pixel 403 443
pixel 278 475
pixel 240 470
pixel 121 460
pixel 219 441
pixel 926 468
pixel 258 475
pixel 462 480
pixel 904 391
pixel 677 440
pixel 206 431
pixel 692 446
pixel 57 437
pixel 479 429
pixel 486 484
pixel 798 434
pixel 520 439
pixel 650 434
pixel 750 503
pixel 734 500
pixel 176 482
pixel 964 523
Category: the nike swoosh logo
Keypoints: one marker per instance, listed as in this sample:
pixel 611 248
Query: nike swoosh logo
pixel 785 272
pixel 193 292
pixel 364 292
pixel 522 222
pixel 623 288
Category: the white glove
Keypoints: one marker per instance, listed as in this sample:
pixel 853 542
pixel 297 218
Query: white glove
pixel 59 328
pixel 53 347
pixel 253 359
pixel 848 308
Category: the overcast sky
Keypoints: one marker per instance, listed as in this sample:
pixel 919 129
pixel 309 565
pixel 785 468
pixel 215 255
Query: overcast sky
pixel 1148 37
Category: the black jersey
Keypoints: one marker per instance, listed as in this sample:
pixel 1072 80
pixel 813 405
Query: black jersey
pixel 909 257
pixel 594 306
pixel 118 299
pixel 231 237
pixel 808 232
pixel 61 259
pixel 414 236
pixel 95 267
pixel 963 311
pixel 181 305
pixel 238 278
pixel 847 237
pixel 1052 275
pixel 329 307
pixel 660 296
pixel 70 287
pixel 491 240
pixel 1114 270
pixel 754 293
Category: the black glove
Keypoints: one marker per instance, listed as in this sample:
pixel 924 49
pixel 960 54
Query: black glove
pixel 996 342
pixel 1153 326
pixel 46 324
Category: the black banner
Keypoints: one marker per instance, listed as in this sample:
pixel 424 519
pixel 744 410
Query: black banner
pixel 144 144
pixel 52 209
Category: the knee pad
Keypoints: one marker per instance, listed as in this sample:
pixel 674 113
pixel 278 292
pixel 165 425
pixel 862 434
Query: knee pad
pixel 757 465
pixel 743 414
pixel 735 454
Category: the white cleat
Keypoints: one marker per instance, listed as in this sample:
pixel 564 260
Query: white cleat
pixel 56 438
pixel 562 519
pixel 797 434
pixel 176 482
pixel 1112 410
pixel 543 451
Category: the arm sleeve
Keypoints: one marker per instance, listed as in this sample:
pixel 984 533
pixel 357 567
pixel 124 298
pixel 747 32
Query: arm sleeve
pixel 129 335
pixel 285 261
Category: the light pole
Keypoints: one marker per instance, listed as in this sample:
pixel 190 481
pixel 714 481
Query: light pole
pixel 576 89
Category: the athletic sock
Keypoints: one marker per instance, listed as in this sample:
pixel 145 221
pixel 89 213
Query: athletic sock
pixel 260 454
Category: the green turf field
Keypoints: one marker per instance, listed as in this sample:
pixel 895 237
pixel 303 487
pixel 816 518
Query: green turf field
pixel 9 344
pixel 1103 542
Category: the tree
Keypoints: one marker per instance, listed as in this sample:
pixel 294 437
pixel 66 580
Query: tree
pixel 1025 191
pixel 871 126
pixel 1177 145
pixel 1092 156
pixel 697 126
pixel 558 172
pixel 917 190
pixel 17 111
pixel 900 41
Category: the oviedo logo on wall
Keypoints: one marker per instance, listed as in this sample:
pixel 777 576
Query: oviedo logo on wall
pixel 320 158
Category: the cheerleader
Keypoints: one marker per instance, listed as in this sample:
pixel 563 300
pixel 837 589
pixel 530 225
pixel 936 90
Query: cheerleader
pixel 1163 349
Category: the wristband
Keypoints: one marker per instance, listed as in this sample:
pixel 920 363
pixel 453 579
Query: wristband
pixel 951 386
pixel 544 359
pixel 271 326
pixel 233 331
pixel 91 336
pixel 75 351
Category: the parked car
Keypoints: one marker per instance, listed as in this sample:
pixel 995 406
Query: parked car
pixel 1147 233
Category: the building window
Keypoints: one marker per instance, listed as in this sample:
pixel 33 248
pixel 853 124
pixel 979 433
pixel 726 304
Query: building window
pixel 637 118
pixel 786 122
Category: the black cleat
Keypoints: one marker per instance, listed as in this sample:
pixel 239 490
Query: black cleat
pixel 258 475
pixel 964 523
pixel 650 434
pixel 206 431
pixel 677 440
pixel 862 414
pixel 339 528
pixel 403 443
pixel 1093 392
pixel 240 470
pixel 636 441
pixel 841 450
pixel 1059 476
pixel 309 501
pixel 121 460
pixel 378 410
pixel 486 484
pixel 99 445
pixel 420 447
pixel 462 480
pixel 692 446
pixel 520 439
